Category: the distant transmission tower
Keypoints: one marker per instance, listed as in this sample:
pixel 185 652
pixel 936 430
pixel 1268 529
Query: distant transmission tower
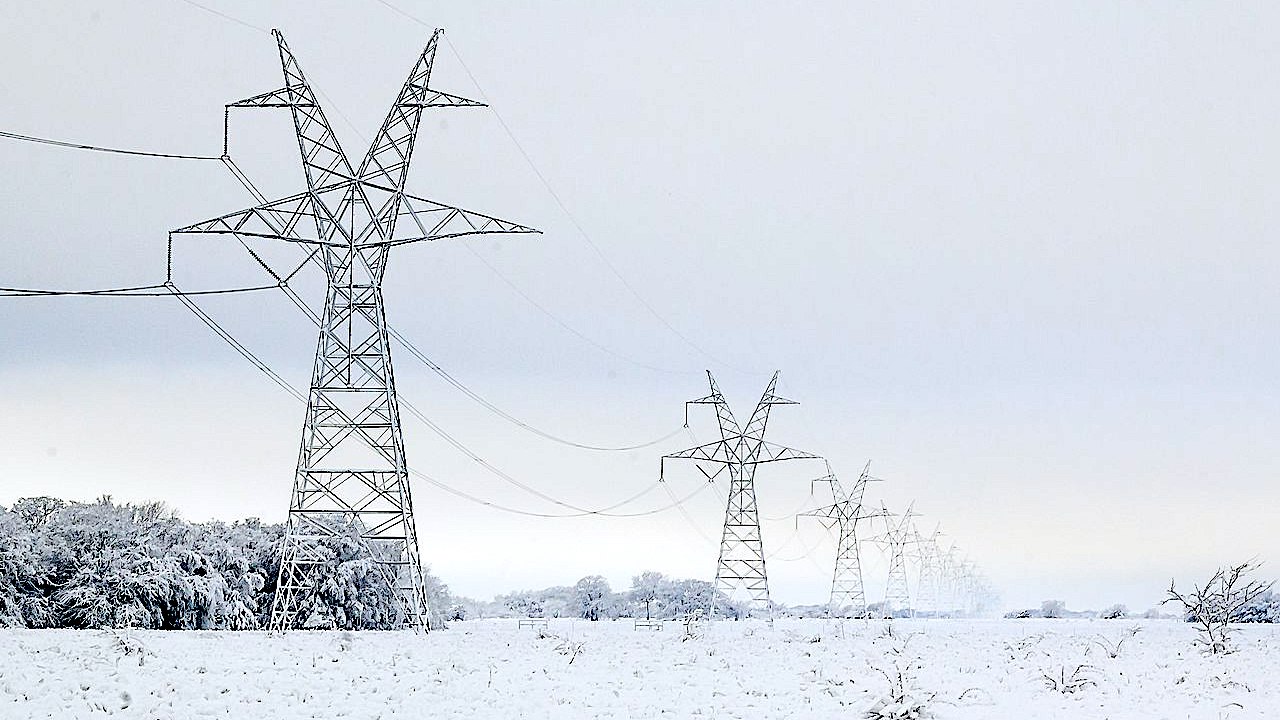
pixel 741 562
pixel 929 582
pixel 351 467
pixel 953 575
pixel 897 535
pixel 848 598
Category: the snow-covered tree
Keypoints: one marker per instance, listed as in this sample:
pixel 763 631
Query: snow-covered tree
pixel 24 578
pixel 103 565
pixel 1053 609
pixel 646 589
pixel 593 594
pixel 37 511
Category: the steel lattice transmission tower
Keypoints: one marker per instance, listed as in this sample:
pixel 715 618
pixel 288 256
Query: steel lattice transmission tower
pixel 848 597
pixel 929 582
pixel 351 469
pixel 897 594
pixel 950 563
pixel 740 450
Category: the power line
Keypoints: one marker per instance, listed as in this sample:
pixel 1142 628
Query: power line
pixel 419 355
pixel 569 328
pixel 163 290
pixel 546 184
pixel 169 288
pixel 613 269
pixel 689 518
pixel 245 181
pixel 266 369
pixel 99 148
pixel 239 347
pixel 157 290
pixel 560 203
pixel 677 502
pixel 225 16
pixel 444 374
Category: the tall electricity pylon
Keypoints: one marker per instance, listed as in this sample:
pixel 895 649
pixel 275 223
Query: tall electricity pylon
pixel 929 581
pixel 351 469
pixel 741 562
pixel 897 535
pixel 848 597
pixel 953 564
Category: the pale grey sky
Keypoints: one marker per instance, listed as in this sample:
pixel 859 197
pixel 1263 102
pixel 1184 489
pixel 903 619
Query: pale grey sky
pixel 1018 255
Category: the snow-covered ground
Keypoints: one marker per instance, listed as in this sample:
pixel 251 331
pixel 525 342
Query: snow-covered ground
pixel 577 669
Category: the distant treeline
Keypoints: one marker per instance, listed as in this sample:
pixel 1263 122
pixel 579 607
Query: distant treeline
pixel 652 595
pixel 103 565
pixel 108 565
pixel 1265 608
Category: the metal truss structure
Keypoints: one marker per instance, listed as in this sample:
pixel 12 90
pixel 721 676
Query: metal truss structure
pixel 965 589
pixel 848 597
pixel 352 476
pixel 896 537
pixel 948 568
pixel 929 581
pixel 740 450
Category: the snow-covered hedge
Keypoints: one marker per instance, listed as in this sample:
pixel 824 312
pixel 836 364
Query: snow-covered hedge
pixel 104 565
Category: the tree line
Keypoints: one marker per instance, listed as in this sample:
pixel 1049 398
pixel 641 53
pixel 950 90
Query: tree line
pixel 108 565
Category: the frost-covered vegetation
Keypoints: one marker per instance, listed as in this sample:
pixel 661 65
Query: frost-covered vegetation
pixel 651 595
pixel 104 565
pixel 1228 597
pixel 575 669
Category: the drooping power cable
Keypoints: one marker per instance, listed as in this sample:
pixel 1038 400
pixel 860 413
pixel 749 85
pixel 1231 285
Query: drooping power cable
pixel 98 148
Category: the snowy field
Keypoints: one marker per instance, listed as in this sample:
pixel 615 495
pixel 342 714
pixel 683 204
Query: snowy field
pixel 578 669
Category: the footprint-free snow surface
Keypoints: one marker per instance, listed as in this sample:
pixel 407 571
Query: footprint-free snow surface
pixel 1114 669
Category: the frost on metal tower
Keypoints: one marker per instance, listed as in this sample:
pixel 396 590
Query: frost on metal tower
pixel 848 598
pixel 929 582
pixel 897 595
pixel 741 564
pixel 351 474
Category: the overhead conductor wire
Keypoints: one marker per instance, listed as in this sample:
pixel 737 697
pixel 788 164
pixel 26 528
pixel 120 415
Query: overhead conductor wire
pixel 170 288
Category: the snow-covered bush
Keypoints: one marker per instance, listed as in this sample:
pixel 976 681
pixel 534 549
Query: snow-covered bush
pixel 1115 612
pixel 1059 681
pixel 1265 608
pixel 904 699
pixel 103 565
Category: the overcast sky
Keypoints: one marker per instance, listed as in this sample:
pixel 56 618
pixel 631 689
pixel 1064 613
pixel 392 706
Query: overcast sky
pixel 1019 256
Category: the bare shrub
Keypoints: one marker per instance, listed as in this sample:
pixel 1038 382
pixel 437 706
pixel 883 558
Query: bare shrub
pixel 1220 601
pixel 1079 679
pixel 1112 647
pixel 905 699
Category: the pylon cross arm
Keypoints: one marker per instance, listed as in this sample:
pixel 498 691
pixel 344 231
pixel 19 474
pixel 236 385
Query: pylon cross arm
pixel 278 219
pixel 283 97
pixel 772 452
pixel 437 221
pixel 436 98
pixel 829 511
pixel 718 451
pixel 292 219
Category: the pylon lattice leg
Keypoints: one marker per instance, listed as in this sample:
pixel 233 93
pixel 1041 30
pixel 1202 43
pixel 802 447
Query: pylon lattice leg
pixel 847 596
pixel 352 421
pixel 741 564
